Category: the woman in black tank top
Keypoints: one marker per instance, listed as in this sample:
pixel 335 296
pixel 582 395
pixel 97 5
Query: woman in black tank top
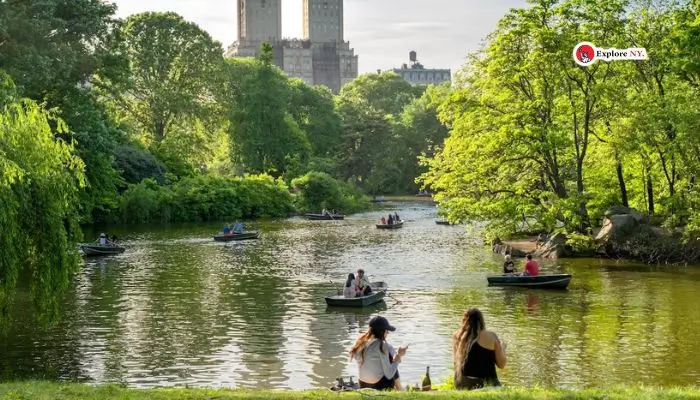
pixel 476 353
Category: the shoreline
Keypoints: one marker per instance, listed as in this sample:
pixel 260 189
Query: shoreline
pixel 44 390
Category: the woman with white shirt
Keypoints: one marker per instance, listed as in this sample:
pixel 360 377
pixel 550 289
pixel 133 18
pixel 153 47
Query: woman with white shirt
pixel 349 290
pixel 373 356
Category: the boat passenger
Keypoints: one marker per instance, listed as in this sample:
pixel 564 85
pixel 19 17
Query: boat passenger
pixel 362 283
pixel 325 212
pixel 396 217
pixel 508 265
pixel 531 267
pixel 476 352
pixel 227 229
pixel 382 221
pixel 113 240
pixel 103 239
pixel 349 290
pixel 391 219
pixel 238 228
pixel 372 353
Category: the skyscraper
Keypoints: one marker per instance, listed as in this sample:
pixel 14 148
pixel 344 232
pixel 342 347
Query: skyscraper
pixel 322 57
pixel 259 20
pixel 323 21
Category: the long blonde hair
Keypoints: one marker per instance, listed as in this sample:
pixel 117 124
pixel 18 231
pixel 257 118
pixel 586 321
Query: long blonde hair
pixel 464 338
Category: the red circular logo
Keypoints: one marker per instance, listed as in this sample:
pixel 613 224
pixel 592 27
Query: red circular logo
pixel 584 53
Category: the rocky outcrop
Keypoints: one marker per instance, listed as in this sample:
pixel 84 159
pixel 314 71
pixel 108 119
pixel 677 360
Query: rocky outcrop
pixel 553 246
pixel 498 247
pixel 621 226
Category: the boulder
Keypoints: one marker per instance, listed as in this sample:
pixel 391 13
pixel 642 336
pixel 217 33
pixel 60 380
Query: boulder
pixel 504 249
pixel 620 225
pixel 554 247
pixel 622 210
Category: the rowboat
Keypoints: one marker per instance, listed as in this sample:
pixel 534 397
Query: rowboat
pixel 378 292
pixel 442 222
pixel 325 217
pixel 554 281
pixel 395 225
pixel 101 250
pixel 237 236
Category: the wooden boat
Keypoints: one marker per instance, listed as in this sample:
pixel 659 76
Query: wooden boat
pixel 395 225
pixel 554 281
pixel 325 217
pixel 94 249
pixel 238 236
pixel 378 292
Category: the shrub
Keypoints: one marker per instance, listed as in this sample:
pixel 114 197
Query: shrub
pixel 318 190
pixel 206 198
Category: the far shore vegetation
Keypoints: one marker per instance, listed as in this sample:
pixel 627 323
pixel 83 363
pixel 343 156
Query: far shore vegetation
pixel 64 391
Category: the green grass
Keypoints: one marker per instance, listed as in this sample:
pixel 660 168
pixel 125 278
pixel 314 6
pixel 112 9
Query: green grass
pixel 59 391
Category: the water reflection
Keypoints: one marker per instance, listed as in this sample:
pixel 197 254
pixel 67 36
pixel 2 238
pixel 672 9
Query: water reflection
pixel 179 309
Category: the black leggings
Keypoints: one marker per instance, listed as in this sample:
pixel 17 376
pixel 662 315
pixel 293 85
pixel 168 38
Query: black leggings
pixel 382 384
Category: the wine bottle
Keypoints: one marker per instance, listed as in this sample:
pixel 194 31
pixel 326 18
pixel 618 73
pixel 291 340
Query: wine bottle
pixel 427 385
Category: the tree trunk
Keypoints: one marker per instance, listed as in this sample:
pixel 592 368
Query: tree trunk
pixel 621 182
pixel 650 190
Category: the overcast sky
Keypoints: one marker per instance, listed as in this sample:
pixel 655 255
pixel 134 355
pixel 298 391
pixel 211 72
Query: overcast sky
pixel 382 32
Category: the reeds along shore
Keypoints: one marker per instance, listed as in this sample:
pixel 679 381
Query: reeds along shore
pixel 61 391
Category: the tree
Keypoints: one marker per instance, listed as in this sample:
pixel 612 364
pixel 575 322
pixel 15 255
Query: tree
pixel 369 108
pixel 313 109
pixel 40 181
pixel 174 67
pixel 264 134
pixel 50 46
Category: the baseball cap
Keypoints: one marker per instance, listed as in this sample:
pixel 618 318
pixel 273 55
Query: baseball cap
pixel 380 322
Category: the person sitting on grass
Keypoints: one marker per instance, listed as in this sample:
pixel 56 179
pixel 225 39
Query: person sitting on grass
pixel 373 355
pixel 476 353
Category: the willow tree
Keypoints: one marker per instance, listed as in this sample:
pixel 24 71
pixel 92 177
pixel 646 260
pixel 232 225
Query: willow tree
pixel 40 181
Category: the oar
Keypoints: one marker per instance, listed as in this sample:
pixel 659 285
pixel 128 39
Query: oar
pixel 336 287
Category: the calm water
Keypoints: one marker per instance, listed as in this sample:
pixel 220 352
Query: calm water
pixel 177 308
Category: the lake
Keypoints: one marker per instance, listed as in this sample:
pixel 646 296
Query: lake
pixel 179 309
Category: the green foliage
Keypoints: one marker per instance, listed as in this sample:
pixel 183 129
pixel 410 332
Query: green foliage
pixel 534 137
pixel 264 134
pixel 380 143
pixel 50 46
pixel 135 164
pixel 206 198
pixel 40 182
pixel 174 68
pixel 96 138
pixel 318 190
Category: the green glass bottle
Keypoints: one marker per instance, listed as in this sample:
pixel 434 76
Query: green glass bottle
pixel 427 385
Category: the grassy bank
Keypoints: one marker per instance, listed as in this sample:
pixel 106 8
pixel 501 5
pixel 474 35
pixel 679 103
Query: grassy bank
pixel 57 391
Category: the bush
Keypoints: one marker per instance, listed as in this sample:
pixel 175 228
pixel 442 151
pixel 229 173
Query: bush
pixel 206 198
pixel 318 190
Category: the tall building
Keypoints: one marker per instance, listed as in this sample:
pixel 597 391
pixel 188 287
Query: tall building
pixel 322 57
pixel 259 20
pixel 323 21
pixel 416 74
